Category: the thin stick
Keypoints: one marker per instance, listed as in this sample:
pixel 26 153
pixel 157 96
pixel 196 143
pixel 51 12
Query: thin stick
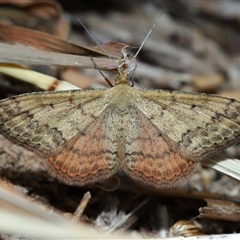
pixel 81 207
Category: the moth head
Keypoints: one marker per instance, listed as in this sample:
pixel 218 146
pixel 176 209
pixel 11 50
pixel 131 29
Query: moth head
pixel 127 66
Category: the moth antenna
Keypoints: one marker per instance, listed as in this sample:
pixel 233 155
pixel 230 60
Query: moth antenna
pixel 105 78
pixel 145 39
pixel 96 41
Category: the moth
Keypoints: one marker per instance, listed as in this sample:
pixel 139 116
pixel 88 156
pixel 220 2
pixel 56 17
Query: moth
pixel 156 137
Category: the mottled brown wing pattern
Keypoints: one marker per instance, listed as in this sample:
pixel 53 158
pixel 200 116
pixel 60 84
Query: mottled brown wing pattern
pixel 89 156
pixel 150 159
pixel 194 125
pixel 41 122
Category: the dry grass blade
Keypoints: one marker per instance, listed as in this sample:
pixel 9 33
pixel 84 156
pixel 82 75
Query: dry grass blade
pixel 43 41
pixel 50 50
pixel 207 237
pixel 40 80
pixel 224 165
pixel 19 213
pixel 24 55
